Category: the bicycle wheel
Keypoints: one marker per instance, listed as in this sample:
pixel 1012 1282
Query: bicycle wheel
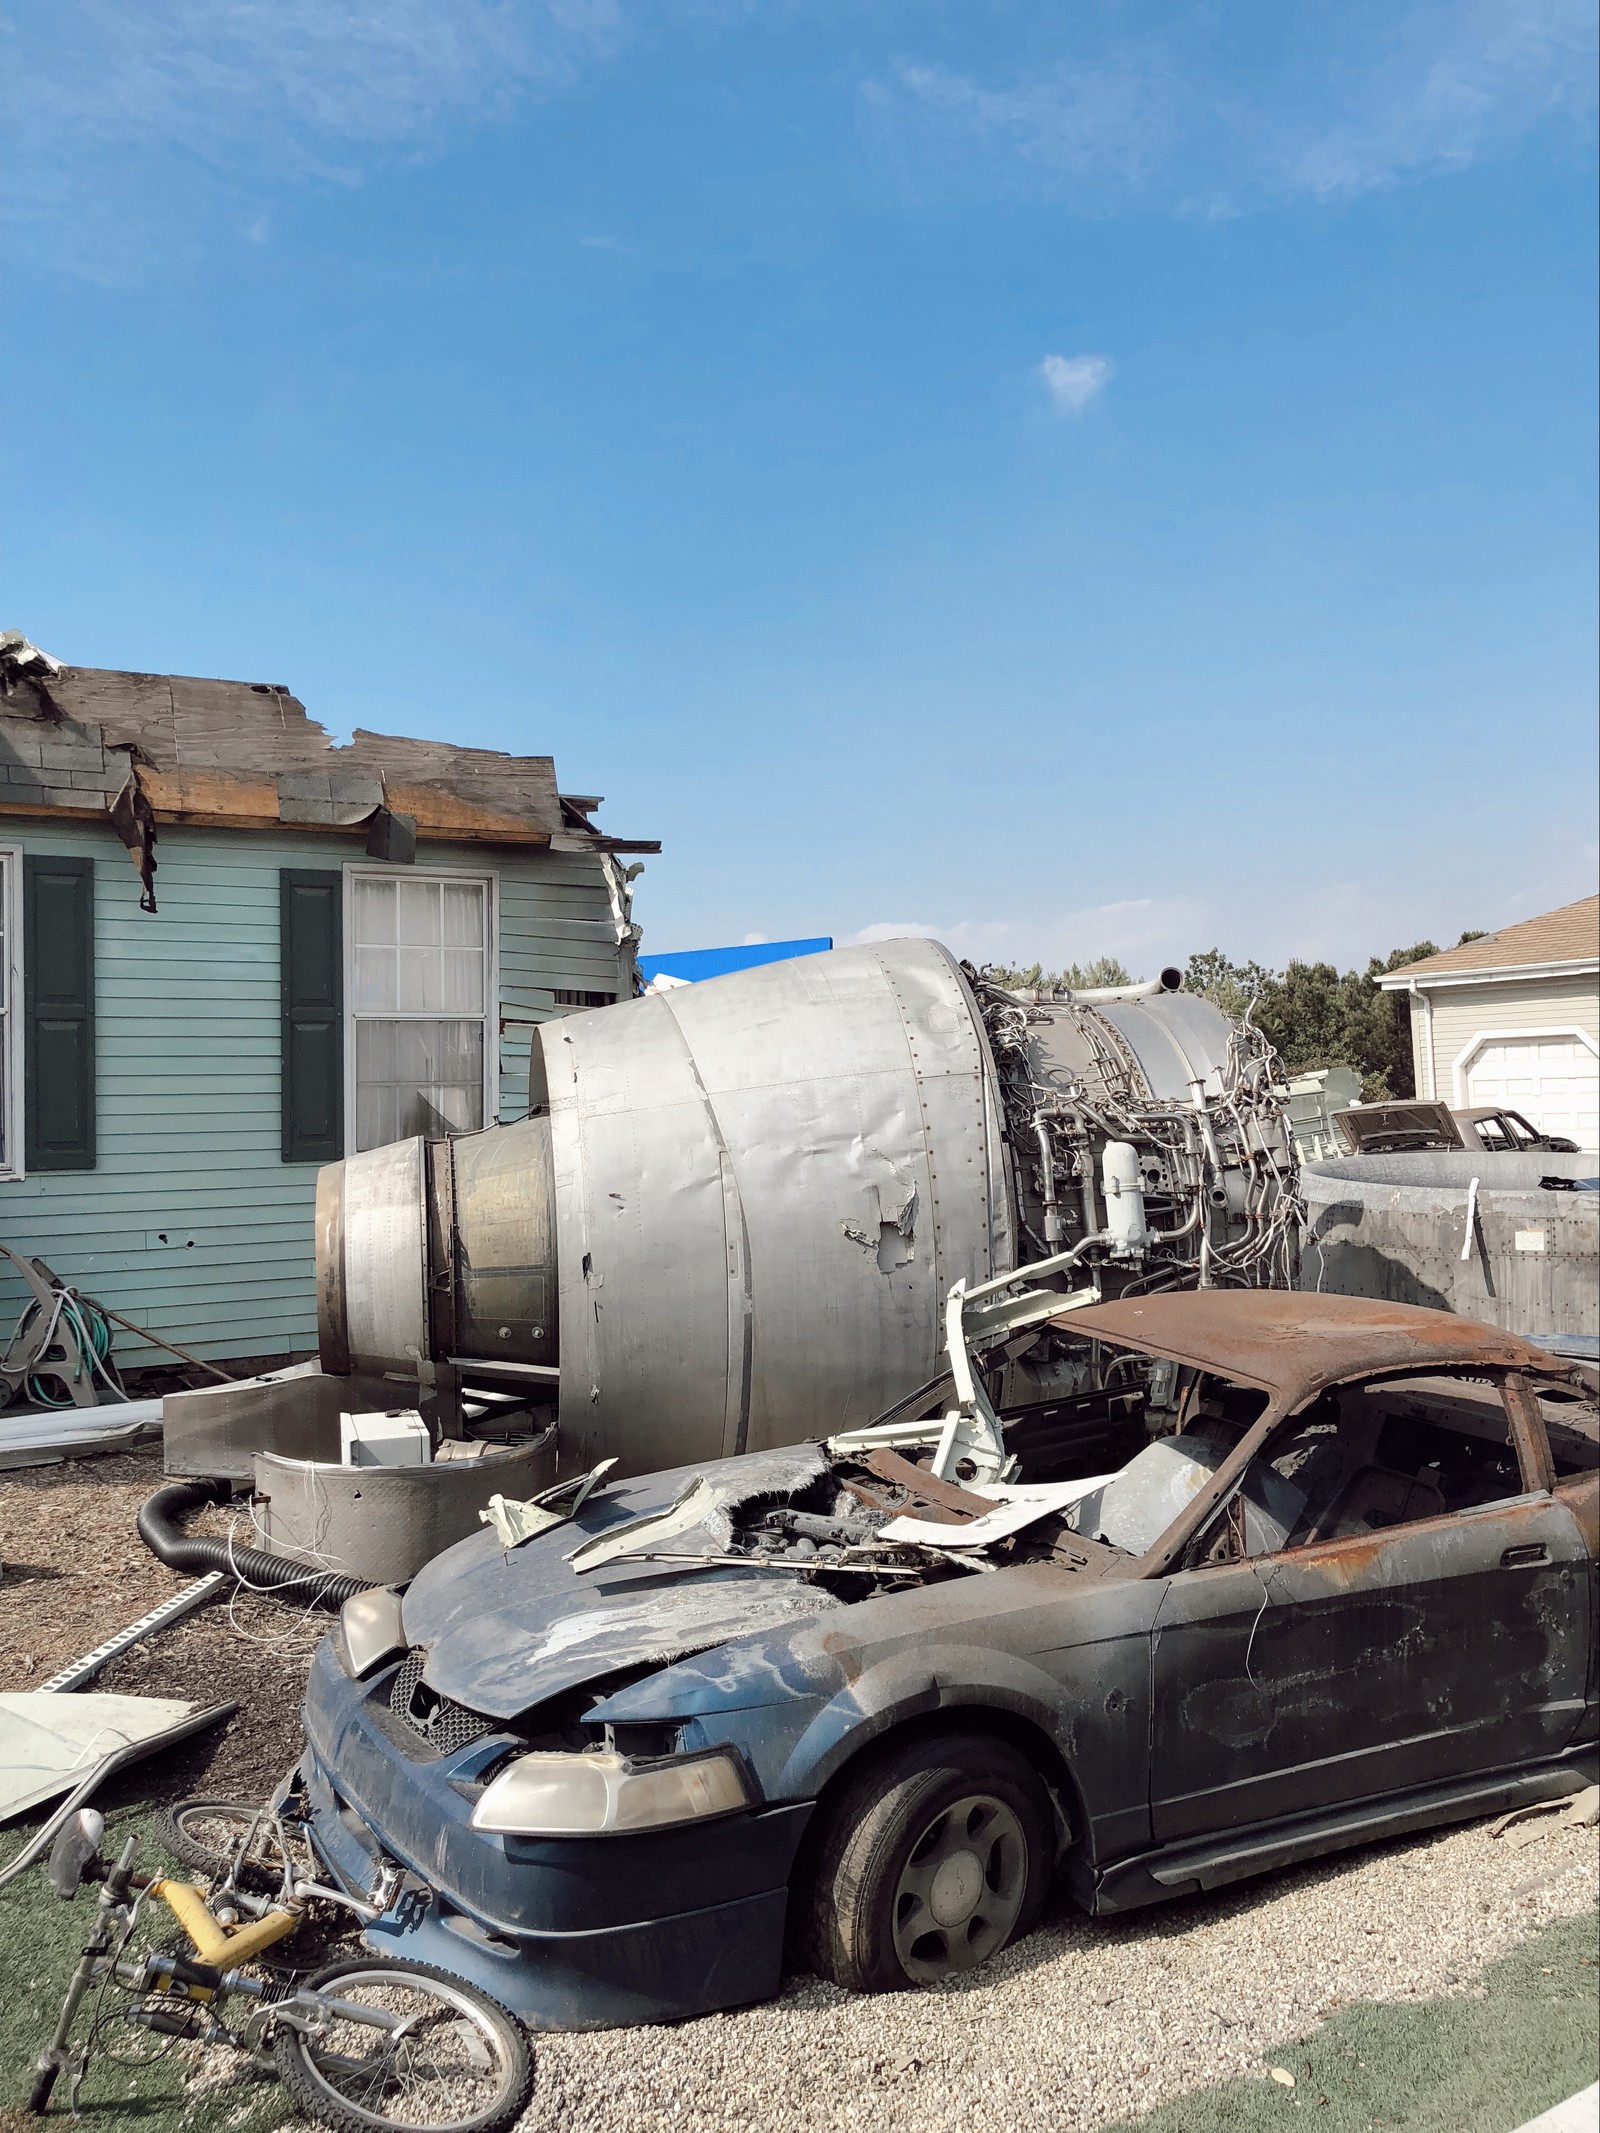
pixel 204 1834
pixel 455 2061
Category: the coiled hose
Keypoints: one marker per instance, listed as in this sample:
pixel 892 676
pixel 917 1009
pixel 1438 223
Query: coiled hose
pixel 161 1530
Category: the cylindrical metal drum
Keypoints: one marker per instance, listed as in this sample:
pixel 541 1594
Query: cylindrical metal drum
pixel 765 1185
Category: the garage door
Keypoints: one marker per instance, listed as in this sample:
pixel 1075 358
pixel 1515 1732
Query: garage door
pixel 1554 1081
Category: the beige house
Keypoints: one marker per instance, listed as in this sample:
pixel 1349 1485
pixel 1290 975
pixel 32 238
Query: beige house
pixel 1514 1019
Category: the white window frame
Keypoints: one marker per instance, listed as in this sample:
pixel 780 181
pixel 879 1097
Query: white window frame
pixel 13 1117
pixel 354 871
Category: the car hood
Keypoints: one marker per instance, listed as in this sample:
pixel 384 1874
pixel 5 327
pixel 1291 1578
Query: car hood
pixel 505 1629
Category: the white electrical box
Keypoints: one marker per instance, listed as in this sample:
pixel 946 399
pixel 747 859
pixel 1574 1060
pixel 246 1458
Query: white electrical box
pixel 396 1438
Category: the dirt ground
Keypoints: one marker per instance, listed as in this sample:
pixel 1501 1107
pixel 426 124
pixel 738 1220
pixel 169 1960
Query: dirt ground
pixel 76 1571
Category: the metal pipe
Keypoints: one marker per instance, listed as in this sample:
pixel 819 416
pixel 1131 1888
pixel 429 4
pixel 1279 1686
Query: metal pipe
pixel 1091 1212
pixel 1430 1076
pixel 1090 995
pixel 1054 1228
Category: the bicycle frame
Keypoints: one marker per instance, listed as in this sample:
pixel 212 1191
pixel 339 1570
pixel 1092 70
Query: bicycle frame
pixel 190 1995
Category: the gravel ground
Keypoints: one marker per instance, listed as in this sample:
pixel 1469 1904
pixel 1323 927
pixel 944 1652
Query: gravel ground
pixel 1084 2023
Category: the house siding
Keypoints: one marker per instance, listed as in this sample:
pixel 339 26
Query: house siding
pixel 1461 1012
pixel 187 1047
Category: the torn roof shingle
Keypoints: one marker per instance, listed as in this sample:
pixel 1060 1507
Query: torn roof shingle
pixel 240 753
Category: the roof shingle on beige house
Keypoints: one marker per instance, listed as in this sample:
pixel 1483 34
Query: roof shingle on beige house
pixel 1514 1019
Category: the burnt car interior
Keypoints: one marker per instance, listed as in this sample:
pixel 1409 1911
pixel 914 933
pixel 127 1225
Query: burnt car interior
pixel 1366 1457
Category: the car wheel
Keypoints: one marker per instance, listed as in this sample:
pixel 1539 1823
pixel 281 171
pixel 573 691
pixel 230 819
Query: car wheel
pixel 929 1862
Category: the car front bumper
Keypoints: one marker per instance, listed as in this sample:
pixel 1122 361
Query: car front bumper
pixel 569 1933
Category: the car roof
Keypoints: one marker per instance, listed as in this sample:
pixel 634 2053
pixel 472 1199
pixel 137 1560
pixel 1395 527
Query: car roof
pixel 1291 1344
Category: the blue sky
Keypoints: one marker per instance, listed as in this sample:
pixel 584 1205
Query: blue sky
pixel 1067 478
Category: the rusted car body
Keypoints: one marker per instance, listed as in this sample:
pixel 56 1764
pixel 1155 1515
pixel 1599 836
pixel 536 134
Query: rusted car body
pixel 1347 1590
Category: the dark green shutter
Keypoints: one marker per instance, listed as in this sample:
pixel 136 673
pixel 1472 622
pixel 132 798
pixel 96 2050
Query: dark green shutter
pixel 312 962
pixel 58 1045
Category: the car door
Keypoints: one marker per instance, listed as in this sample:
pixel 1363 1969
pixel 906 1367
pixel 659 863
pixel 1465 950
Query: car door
pixel 1413 1654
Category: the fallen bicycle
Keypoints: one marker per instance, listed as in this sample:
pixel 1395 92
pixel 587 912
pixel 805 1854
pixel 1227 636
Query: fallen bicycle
pixel 362 2045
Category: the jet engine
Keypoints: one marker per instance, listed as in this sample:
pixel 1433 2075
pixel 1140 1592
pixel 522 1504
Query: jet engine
pixel 734 1211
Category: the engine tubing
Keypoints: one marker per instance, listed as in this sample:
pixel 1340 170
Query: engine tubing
pixel 161 1530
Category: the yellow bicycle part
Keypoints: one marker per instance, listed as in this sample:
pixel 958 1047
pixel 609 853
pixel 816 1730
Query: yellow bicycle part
pixel 223 1947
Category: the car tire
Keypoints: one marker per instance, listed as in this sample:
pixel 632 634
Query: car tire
pixel 931 1860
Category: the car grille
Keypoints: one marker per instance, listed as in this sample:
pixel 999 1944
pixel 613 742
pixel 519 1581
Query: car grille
pixel 444 1725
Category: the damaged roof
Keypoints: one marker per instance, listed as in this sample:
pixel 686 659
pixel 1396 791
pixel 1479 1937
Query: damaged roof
pixel 245 755
pixel 1293 1344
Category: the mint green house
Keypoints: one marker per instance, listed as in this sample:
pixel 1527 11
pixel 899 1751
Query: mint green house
pixel 234 951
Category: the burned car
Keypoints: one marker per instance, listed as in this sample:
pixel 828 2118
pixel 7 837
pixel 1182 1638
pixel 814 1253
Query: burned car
pixel 865 1699
pixel 1404 1128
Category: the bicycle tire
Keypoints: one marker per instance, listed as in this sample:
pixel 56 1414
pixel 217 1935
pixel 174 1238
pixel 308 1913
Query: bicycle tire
pixel 326 2103
pixel 178 1829
pixel 39 2095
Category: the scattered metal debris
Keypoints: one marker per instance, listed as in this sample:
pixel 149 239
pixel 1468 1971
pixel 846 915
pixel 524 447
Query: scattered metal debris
pixel 112 1758
pixel 516 1522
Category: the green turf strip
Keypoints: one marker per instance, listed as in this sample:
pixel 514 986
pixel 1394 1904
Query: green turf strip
pixel 1455 2065
pixel 39 1942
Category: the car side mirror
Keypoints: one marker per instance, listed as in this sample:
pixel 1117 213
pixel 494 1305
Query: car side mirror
pixel 76 1849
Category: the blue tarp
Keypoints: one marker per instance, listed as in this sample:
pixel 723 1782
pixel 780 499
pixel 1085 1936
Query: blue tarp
pixel 696 963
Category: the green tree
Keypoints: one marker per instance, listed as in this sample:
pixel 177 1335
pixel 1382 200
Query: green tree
pixel 1233 986
pixel 1077 977
pixel 1315 1016
pixel 1380 1032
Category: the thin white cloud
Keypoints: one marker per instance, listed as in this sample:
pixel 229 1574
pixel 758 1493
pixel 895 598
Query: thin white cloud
pixel 1144 931
pixel 1328 103
pixel 1450 86
pixel 1073 381
pixel 128 125
pixel 136 130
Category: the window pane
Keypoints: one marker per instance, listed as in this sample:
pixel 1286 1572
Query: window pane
pixel 419 982
pixel 375 980
pixel 418 914
pixel 417 1077
pixel 463 914
pixel 462 992
pixel 372 912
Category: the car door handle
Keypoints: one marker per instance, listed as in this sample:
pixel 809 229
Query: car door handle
pixel 1522 1558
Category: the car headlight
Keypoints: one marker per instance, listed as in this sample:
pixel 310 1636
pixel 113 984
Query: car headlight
pixel 556 1795
pixel 370 1626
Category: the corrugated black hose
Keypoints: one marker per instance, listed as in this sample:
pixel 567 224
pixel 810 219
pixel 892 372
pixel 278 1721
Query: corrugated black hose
pixel 162 1533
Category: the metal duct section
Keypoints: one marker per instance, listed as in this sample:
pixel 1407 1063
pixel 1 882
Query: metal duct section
pixel 739 1207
